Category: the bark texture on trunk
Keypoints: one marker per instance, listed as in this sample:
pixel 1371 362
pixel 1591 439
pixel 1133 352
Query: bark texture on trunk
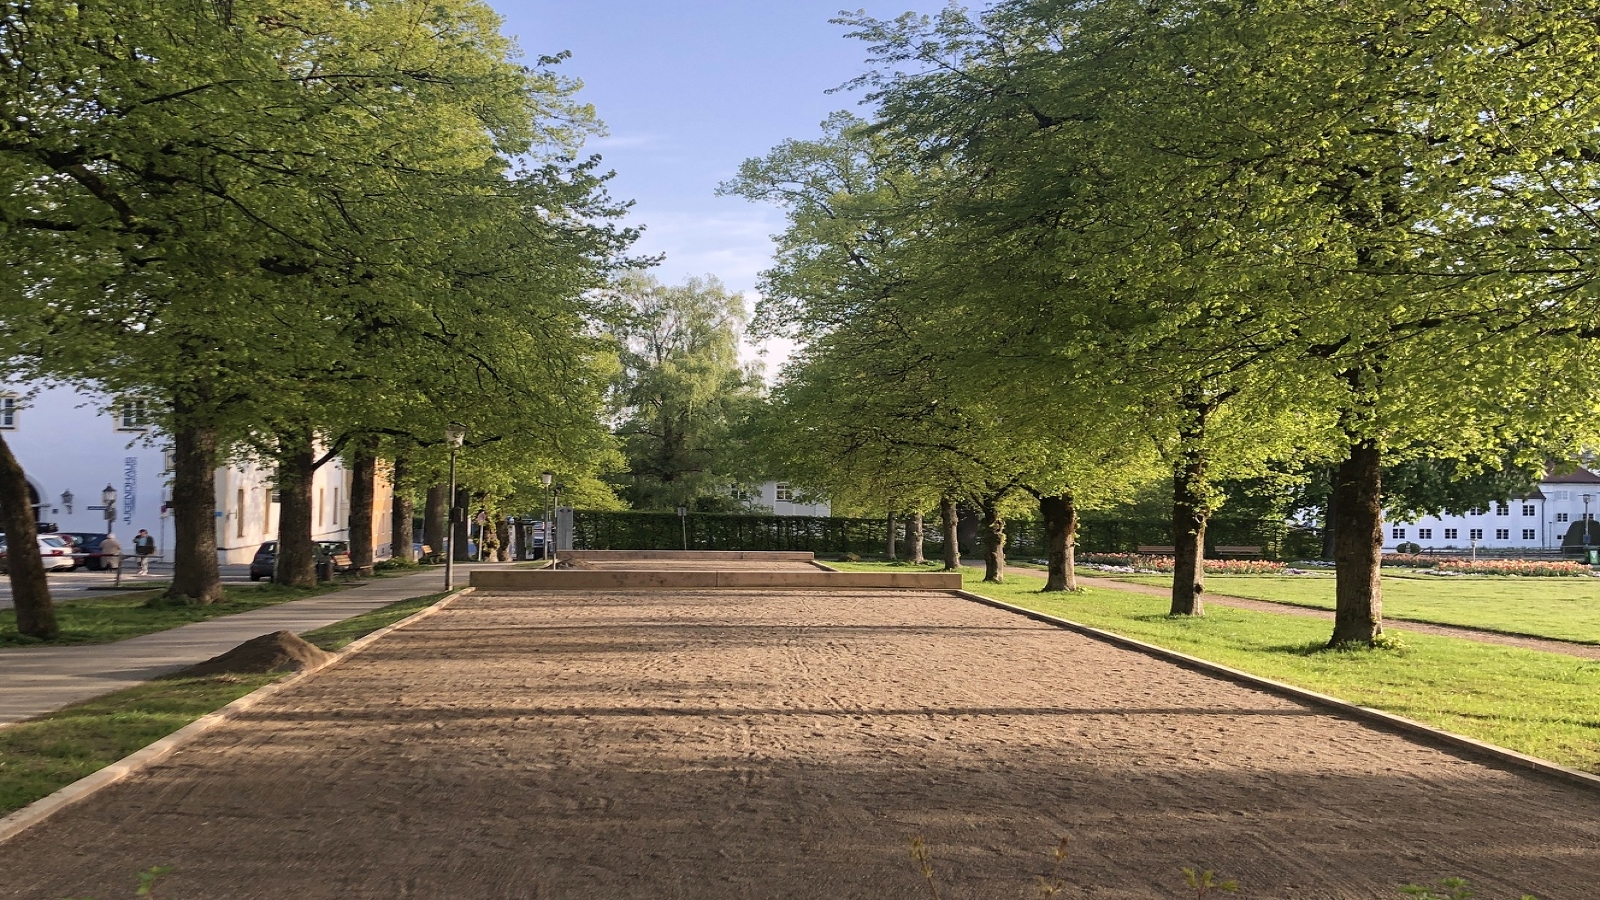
pixel 994 543
pixel 1330 517
pixel 502 530
pixel 297 554
pixel 1358 546
pixel 889 550
pixel 400 515
pixel 914 539
pixel 30 591
pixel 363 488
pixel 1189 517
pixel 1060 515
pixel 435 511
pixel 950 522
pixel 195 575
pixel 462 529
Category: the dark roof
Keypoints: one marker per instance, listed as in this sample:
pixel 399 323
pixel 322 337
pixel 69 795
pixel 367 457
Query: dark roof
pixel 1577 476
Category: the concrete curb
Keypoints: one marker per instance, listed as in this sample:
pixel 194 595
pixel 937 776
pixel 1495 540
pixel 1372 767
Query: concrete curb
pixel 45 807
pixel 517 581
pixel 1388 721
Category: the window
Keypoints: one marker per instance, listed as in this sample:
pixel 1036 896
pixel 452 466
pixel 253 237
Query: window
pixel 1561 517
pixel 322 496
pixel 133 415
pixel 1502 534
pixel 1450 534
pixel 1560 495
pixel 1475 512
pixel 238 515
pixel 266 511
pixel 1398 533
pixel 1502 509
pixel 1528 534
pixel 336 507
pixel 1475 534
pixel 1528 510
pixel 8 412
pixel 785 495
pixel 1425 533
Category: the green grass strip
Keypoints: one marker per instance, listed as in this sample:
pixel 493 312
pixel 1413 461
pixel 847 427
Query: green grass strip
pixel 1542 704
pixel 101 620
pixel 1564 609
pixel 40 756
pixel 341 634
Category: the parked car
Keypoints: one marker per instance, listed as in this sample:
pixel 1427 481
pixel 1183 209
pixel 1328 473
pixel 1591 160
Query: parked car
pixel 266 558
pixel 55 552
pixel 86 548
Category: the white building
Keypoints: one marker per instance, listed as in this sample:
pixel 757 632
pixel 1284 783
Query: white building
pixel 74 445
pixel 1538 521
pixel 785 501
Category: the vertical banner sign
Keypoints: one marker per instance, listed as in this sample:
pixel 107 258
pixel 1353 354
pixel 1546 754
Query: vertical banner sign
pixel 130 487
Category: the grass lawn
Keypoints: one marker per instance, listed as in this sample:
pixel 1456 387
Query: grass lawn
pixel 43 755
pixel 1566 609
pixel 1543 704
pixel 101 620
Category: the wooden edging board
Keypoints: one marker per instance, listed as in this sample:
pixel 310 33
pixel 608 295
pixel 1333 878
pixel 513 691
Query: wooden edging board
pixel 1389 721
pixel 530 580
pixel 41 809
pixel 692 555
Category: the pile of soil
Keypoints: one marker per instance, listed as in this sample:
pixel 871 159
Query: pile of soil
pixel 280 651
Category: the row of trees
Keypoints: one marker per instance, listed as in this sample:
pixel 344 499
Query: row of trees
pixel 302 230
pixel 1081 240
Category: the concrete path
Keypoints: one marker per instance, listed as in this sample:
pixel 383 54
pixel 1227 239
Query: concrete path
pixel 42 679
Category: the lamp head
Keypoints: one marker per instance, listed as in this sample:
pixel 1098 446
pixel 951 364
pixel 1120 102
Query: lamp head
pixel 546 477
pixel 683 511
pixel 454 434
pixel 66 500
pixel 109 495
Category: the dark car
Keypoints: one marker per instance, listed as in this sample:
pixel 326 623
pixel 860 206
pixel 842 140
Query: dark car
pixel 266 558
pixel 86 547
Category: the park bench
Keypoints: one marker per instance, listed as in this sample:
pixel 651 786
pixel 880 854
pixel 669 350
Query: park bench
pixel 343 567
pixel 1158 549
pixel 1239 551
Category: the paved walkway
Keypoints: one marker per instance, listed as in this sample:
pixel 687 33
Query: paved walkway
pixel 42 679
pixel 728 745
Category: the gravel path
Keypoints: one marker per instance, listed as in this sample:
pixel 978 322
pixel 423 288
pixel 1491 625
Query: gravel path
pixel 787 745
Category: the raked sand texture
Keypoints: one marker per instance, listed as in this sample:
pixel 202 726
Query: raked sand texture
pixel 787 745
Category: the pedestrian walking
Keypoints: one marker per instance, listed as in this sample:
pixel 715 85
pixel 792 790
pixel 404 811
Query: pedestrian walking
pixel 111 553
pixel 144 546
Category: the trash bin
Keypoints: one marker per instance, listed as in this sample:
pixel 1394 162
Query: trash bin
pixel 1594 557
pixel 325 569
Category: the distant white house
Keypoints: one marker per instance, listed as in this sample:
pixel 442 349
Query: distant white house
pixel 783 500
pixel 1539 521
pixel 76 445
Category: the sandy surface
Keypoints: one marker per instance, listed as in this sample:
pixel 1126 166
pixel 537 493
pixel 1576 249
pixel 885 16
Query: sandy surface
pixel 726 745
pixel 690 565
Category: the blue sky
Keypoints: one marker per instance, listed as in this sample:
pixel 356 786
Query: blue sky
pixel 688 90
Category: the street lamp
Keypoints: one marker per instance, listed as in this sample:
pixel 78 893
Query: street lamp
pixel 683 524
pixel 545 478
pixel 1586 499
pixel 453 434
pixel 555 519
pixel 66 500
pixel 109 498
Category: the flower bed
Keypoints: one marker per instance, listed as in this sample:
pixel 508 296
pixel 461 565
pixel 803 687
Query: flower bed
pixel 1150 563
pixel 1542 568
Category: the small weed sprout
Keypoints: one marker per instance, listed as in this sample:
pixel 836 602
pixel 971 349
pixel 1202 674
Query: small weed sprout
pixel 1203 883
pixel 1446 889
pixel 1052 884
pixel 924 861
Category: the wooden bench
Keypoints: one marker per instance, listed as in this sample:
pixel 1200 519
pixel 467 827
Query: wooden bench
pixel 343 566
pixel 1159 549
pixel 1238 551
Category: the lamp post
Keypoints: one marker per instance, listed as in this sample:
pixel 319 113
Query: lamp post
pixel 66 500
pixel 1586 499
pixel 109 498
pixel 683 524
pixel 545 478
pixel 453 435
pixel 555 518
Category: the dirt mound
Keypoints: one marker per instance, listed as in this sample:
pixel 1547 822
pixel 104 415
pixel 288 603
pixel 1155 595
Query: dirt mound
pixel 573 564
pixel 280 651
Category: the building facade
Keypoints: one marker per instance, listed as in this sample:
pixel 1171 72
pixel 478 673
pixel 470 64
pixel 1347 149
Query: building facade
pixel 77 446
pixel 1553 514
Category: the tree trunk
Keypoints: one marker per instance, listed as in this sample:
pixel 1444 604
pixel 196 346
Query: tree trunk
pixel 1189 517
pixel 401 514
pixel 1060 516
pixel 1358 546
pixel 914 538
pixel 363 487
pixel 888 541
pixel 195 575
pixel 994 543
pixel 30 591
pixel 950 520
pixel 435 511
pixel 297 554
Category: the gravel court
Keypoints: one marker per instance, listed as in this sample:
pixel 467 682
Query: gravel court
pixel 721 744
